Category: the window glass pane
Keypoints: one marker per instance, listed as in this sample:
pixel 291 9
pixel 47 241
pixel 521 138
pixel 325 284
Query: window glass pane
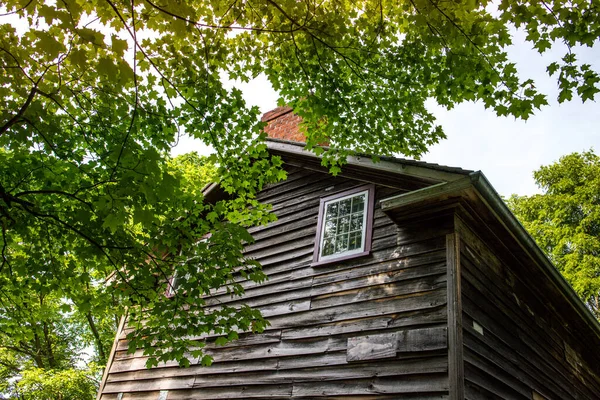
pixel 343 224
pixel 345 206
pixel 328 247
pixel 332 210
pixel 355 240
pixel 356 223
pixel 330 228
pixel 341 243
pixel 358 203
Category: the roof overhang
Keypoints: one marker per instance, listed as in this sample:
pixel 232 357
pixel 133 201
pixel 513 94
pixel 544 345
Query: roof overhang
pixel 213 192
pixel 476 191
pixel 419 171
pixel 388 171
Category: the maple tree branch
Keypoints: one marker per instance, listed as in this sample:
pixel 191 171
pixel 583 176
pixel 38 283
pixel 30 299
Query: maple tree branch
pixel 161 74
pixel 72 228
pixel 96 334
pixel 201 25
pixel 51 191
pixel 485 56
pixel 19 350
pixel 4 247
pixel 17 10
pixel 15 118
pixel 16 60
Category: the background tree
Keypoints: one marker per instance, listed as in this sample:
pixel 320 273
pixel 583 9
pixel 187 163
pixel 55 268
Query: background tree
pixel 565 220
pixel 40 341
pixel 55 307
pixel 94 92
pixel 70 384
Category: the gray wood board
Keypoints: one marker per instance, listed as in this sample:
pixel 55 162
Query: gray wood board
pixel 526 343
pixel 316 311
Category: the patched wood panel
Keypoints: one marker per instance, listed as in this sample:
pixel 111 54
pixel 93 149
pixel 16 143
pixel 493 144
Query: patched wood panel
pixel 425 339
pixel 386 345
pixel 372 347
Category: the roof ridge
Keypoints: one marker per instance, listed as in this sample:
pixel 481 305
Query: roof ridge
pixel 276 113
pixel 400 160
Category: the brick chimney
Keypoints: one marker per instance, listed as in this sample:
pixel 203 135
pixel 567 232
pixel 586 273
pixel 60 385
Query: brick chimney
pixel 282 123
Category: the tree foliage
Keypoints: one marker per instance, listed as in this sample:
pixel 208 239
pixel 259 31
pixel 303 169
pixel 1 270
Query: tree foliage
pixel 40 342
pixel 55 304
pixel 565 220
pixel 69 384
pixel 95 92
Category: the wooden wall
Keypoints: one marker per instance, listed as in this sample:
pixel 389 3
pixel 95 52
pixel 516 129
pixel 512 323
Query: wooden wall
pixel 373 327
pixel 516 346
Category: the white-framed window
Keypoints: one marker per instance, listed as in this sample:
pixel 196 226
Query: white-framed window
pixel 173 285
pixel 345 224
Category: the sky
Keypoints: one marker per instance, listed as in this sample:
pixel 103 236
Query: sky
pixel 506 150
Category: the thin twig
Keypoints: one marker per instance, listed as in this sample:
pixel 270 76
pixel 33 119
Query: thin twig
pixel 135 84
pixel 60 192
pixel 17 10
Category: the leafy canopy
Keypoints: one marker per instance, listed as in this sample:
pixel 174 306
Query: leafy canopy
pixel 565 220
pixel 55 305
pixel 94 93
pixel 41 340
pixel 72 384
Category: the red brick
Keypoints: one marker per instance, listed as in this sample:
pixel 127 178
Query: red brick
pixel 282 123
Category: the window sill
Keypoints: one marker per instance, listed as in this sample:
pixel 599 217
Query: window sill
pixel 339 259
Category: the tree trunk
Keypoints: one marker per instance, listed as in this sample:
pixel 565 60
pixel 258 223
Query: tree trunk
pixel 99 345
pixel 38 351
pixel 49 351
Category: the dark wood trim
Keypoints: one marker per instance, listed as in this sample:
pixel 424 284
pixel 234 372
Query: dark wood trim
pixel 347 192
pixel 370 206
pixel 339 259
pixel 399 168
pixel 455 340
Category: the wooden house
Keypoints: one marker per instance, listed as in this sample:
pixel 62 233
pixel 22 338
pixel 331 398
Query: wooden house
pixel 395 280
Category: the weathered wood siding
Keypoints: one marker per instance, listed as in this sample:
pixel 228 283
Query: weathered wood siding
pixel 373 327
pixel 516 345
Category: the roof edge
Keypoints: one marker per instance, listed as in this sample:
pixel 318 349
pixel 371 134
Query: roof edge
pixel 111 356
pixel 419 169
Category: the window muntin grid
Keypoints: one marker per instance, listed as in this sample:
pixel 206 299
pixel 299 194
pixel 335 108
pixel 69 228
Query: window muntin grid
pixel 344 226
